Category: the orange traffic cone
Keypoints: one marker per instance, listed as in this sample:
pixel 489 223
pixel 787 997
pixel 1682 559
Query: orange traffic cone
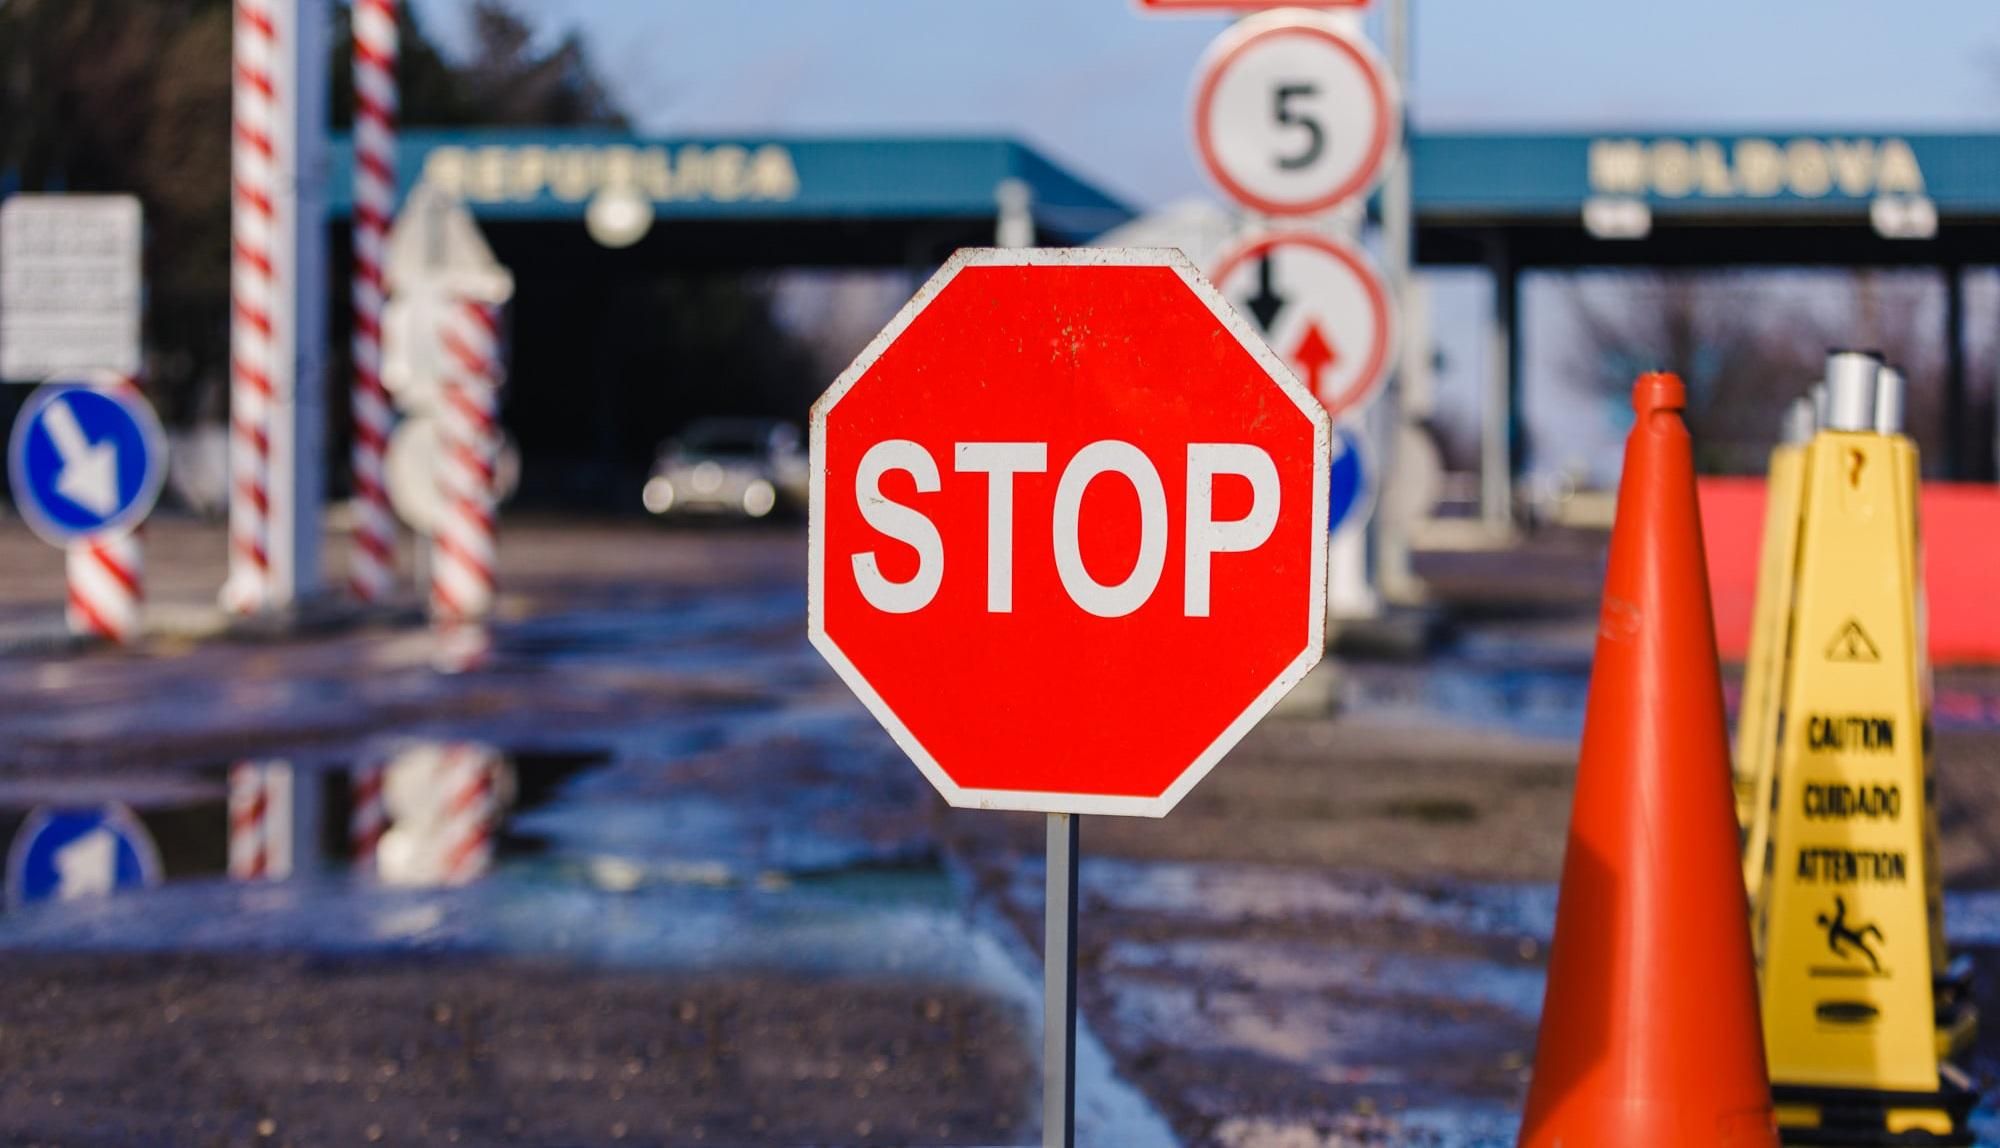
pixel 1650 1032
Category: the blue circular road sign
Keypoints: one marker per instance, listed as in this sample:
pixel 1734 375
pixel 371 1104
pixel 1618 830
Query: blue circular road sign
pixel 1350 495
pixel 71 854
pixel 85 460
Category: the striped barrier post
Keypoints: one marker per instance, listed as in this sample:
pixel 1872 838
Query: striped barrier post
pixel 372 557
pixel 106 575
pixel 463 547
pixel 253 303
pixel 106 587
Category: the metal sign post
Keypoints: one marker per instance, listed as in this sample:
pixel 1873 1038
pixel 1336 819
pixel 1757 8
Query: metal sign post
pixel 298 415
pixel 1059 986
pixel 1404 408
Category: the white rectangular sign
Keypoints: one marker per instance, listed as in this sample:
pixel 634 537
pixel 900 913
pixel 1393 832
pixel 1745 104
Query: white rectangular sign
pixel 70 285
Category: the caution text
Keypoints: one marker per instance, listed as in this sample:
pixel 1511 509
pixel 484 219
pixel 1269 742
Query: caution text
pixel 1850 732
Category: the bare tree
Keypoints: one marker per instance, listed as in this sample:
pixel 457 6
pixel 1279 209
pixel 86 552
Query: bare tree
pixel 134 96
pixel 1748 342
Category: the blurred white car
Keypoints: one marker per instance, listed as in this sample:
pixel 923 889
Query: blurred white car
pixel 750 467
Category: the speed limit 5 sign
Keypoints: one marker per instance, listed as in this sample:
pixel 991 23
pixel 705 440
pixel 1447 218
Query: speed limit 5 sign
pixel 1295 114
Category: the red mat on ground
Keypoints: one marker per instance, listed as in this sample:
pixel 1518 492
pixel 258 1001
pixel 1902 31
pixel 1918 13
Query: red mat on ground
pixel 1961 539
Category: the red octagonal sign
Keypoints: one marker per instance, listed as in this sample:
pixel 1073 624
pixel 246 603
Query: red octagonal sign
pixel 1066 529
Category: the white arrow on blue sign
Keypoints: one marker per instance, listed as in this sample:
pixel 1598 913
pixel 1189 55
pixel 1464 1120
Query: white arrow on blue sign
pixel 1350 498
pixel 74 854
pixel 85 460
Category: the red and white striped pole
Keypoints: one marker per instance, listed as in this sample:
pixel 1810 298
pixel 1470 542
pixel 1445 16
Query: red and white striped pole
pixel 106 587
pixel 106 574
pixel 463 547
pixel 373 556
pixel 253 231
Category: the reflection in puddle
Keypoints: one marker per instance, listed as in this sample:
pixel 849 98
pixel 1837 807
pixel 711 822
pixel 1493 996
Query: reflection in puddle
pixel 441 804
pixel 263 818
pixel 271 820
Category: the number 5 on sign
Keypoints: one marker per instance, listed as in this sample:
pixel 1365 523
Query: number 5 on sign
pixel 1285 113
pixel 1293 114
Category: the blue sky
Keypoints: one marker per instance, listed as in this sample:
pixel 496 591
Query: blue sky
pixel 1105 88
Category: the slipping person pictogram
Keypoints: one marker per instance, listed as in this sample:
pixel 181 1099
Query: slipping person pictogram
pixel 1839 937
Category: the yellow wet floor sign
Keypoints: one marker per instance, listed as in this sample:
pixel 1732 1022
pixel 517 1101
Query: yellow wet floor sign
pixel 1846 912
pixel 1764 663
pixel 1957 1017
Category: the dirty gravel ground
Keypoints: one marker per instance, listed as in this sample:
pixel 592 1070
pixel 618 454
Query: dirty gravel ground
pixel 123 1050
pixel 722 873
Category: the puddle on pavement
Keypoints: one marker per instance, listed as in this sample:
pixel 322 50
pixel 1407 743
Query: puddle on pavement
pixel 674 860
pixel 689 806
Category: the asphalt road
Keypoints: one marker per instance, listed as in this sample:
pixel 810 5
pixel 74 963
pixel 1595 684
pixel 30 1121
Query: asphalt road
pixel 726 910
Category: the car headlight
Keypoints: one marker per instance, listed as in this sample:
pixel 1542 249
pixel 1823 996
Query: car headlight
pixel 658 495
pixel 759 498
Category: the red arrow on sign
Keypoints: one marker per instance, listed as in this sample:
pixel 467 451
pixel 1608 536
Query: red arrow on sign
pixel 1313 356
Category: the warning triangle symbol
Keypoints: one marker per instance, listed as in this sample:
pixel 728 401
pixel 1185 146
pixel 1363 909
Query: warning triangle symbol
pixel 1852 644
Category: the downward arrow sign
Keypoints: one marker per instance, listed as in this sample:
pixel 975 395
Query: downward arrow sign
pixel 1266 303
pixel 89 475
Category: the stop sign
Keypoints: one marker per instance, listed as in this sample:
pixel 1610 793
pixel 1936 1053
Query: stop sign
pixel 1067 536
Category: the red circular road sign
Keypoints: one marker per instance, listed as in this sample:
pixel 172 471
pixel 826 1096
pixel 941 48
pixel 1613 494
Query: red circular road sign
pixel 1067 536
pixel 1294 114
pixel 1322 306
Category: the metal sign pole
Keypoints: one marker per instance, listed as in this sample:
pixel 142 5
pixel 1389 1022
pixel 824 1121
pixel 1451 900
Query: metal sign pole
pixel 1059 987
pixel 1393 574
pixel 298 417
